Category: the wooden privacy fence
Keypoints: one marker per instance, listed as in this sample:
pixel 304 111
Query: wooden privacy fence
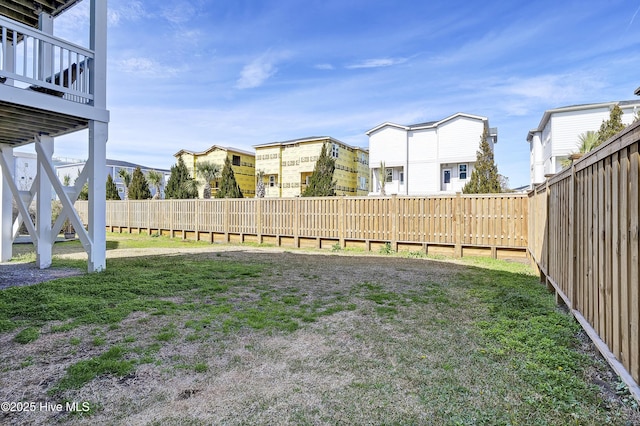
pixel 494 225
pixel 583 235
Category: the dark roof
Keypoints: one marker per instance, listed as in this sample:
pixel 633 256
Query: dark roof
pixel 119 163
pixel 426 123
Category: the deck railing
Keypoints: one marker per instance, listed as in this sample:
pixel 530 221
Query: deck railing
pixel 33 60
pixel 492 225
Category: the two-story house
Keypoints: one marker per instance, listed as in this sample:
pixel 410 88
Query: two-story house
pixel 557 134
pixel 426 158
pixel 287 166
pixel 242 163
pixel 71 170
pixel 50 87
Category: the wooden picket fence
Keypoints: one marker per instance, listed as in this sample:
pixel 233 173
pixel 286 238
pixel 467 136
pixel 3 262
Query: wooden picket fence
pixel 492 225
pixel 583 236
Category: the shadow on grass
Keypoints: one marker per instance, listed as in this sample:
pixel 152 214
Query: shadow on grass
pixel 60 247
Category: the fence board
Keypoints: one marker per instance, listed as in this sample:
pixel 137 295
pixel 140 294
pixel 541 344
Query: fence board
pixel 585 240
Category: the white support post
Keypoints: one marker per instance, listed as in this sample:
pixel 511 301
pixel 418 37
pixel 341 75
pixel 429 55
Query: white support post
pixel 6 210
pixel 43 203
pixel 98 44
pixel 45 24
pixel 98 135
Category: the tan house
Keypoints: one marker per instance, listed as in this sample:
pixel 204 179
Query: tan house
pixel 242 163
pixel 287 166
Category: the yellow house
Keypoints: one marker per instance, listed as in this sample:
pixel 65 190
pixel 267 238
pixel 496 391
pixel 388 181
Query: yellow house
pixel 242 163
pixel 287 166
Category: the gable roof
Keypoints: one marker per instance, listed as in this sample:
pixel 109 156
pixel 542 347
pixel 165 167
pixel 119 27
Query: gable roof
pixel 213 148
pixel 580 107
pixel 427 124
pixel 308 139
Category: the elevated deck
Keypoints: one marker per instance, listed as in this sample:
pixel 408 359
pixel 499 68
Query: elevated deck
pixel 50 87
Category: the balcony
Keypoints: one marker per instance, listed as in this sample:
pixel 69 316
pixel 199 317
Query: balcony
pixel 47 85
pixel 50 87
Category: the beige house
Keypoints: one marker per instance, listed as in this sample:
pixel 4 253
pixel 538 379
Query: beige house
pixel 287 166
pixel 242 163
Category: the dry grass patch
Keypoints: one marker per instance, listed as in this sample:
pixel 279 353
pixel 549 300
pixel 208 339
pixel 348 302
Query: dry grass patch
pixel 241 337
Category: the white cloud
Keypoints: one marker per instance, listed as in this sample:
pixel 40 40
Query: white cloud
pixel 324 67
pixel 255 73
pixel 137 65
pixel 130 11
pixel 179 13
pixel 377 63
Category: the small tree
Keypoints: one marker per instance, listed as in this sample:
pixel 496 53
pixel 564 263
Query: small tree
pixel 126 179
pixel 260 188
pixel 209 172
pixel 484 178
pixel 112 189
pixel 229 188
pixel 139 188
pixel 180 185
pixel 155 180
pixel 321 183
pixel 612 126
pixel 84 191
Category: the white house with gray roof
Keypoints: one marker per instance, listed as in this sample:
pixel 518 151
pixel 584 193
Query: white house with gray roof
pixel 426 158
pixel 557 134
pixel 113 168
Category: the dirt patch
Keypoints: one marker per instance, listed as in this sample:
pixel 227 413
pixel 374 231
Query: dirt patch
pixel 20 274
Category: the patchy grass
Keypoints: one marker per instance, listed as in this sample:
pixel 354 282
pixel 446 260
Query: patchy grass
pixel 246 338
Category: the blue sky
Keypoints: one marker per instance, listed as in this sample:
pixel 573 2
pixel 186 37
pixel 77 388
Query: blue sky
pixel 190 74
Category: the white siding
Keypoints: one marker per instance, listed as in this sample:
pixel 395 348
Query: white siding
pixel 459 140
pixel 566 127
pixel 422 152
pixel 388 144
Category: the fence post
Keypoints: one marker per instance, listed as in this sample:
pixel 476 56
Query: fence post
pixel 258 219
pixel 457 222
pixel 149 217
pixel 197 220
pixel 394 222
pixel 572 238
pixel 225 219
pixel 296 222
pixel 546 240
pixel 342 221
pixel 171 218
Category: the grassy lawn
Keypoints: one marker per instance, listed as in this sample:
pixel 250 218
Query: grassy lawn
pixel 240 336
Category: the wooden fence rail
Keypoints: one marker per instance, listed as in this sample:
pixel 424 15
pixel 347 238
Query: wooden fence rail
pixel 494 225
pixel 584 237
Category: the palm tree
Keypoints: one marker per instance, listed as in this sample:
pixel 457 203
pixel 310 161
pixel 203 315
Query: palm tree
pixel 587 142
pixel 382 178
pixel 155 179
pixel 260 188
pixel 126 178
pixel 209 172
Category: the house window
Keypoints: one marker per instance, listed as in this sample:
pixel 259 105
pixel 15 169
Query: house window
pixel 272 181
pixel 335 150
pixel 389 175
pixel 363 182
pixel 401 178
pixel 235 160
pixel 462 171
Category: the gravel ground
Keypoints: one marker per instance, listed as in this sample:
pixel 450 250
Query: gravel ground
pixel 19 274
